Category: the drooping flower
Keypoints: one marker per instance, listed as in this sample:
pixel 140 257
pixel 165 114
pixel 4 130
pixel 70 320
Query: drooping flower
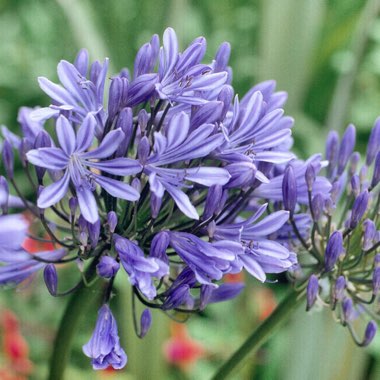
pixel 74 158
pixel 104 347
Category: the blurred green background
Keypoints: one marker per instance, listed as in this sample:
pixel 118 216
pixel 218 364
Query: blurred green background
pixel 325 54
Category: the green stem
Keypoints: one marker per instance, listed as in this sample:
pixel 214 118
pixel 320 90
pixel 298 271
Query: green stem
pixel 262 333
pixel 75 309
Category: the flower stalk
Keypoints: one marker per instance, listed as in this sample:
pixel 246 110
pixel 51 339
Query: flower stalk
pixel 262 333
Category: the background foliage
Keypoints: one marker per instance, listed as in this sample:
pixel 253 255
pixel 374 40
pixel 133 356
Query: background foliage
pixel 324 53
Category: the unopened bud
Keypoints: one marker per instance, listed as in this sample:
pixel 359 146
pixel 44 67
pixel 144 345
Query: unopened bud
pixel 51 279
pixel 312 291
pixel 145 322
pixel 289 190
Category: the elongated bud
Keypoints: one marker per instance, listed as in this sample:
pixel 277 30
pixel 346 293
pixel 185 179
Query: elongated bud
pixel 4 194
pixel 346 147
pixel 51 279
pixel 81 62
pixel 354 162
pixel 310 177
pixel 359 208
pixel 222 57
pixel 155 205
pixel 373 142
pixel 143 118
pixel 369 233
pixel 143 150
pixel 107 267
pixel 355 185
pixel 376 171
pixel 73 205
pixel 329 206
pixel 333 250
pixel 136 184
pixel 369 334
pixel 159 245
pixel 83 238
pixel 94 233
pixel 125 123
pixel 212 201
pixel 226 95
pixel 289 190
pixel 332 146
pixel 376 281
pixel 145 322
pixel 115 94
pixel 312 291
pixel 112 221
pixel 376 260
pixel 8 159
pixel 317 204
pixel 339 287
pixel 348 310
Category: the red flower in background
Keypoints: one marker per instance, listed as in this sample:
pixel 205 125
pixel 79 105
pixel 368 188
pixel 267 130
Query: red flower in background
pixel 14 348
pixel 180 349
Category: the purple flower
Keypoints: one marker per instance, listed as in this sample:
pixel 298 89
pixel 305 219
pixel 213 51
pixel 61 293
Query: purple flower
pixel 74 159
pixel 140 269
pixel 78 95
pixel 51 278
pixel 178 144
pixel 359 208
pixel 289 189
pixel 107 267
pixel 208 261
pixel 181 76
pixel 104 346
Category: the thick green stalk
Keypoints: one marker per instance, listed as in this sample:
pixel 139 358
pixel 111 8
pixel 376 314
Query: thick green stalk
pixel 262 333
pixel 80 300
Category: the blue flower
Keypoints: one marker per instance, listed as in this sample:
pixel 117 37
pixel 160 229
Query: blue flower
pixel 104 346
pixel 74 159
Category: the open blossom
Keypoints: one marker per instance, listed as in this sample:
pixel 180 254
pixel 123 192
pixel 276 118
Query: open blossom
pixel 74 158
pixel 104 346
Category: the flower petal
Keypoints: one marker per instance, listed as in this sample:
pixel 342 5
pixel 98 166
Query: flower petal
pixel 54 193
pixel 107 147
pixel 66 135
pixel 49 158
pixel 86 133
pixel 117 189
pixel 87 204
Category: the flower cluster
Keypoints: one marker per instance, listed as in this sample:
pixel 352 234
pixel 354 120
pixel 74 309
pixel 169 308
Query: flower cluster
pixel 334 226
pixel 165 174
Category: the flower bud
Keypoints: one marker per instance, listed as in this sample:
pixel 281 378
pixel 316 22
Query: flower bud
pixel 312 291
pixel 73 205
pixel 376 281
pixel 145 322
pixel 348 310
pixel 333 250
pixel 369 334
pixel 212 201
pixel 336 190
pixel 136 184
pixel 125 123
pixel 332 146
pixel 226 95
pixel 354 162
pixel 289 190
pixel 355 185
pixel 4 194
pixel 142 119
pixel 329 206
pixel 376 171
pixel 373 143
pixel 115 94
pixel 376 260
pixel 310 177
pixel 94 233
pixel 107 267
pixel 339 288
pixel 359 208
pixel 51 279
pixel 155 205
pixel 369 233
pixel 222 57
pixel 143 150
pixel 112 221
pixel 317 204
pixel 159 245
pixel 8 159
pixel 176 297
pixel 81 62
pixel 346 147
pixel 83 238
